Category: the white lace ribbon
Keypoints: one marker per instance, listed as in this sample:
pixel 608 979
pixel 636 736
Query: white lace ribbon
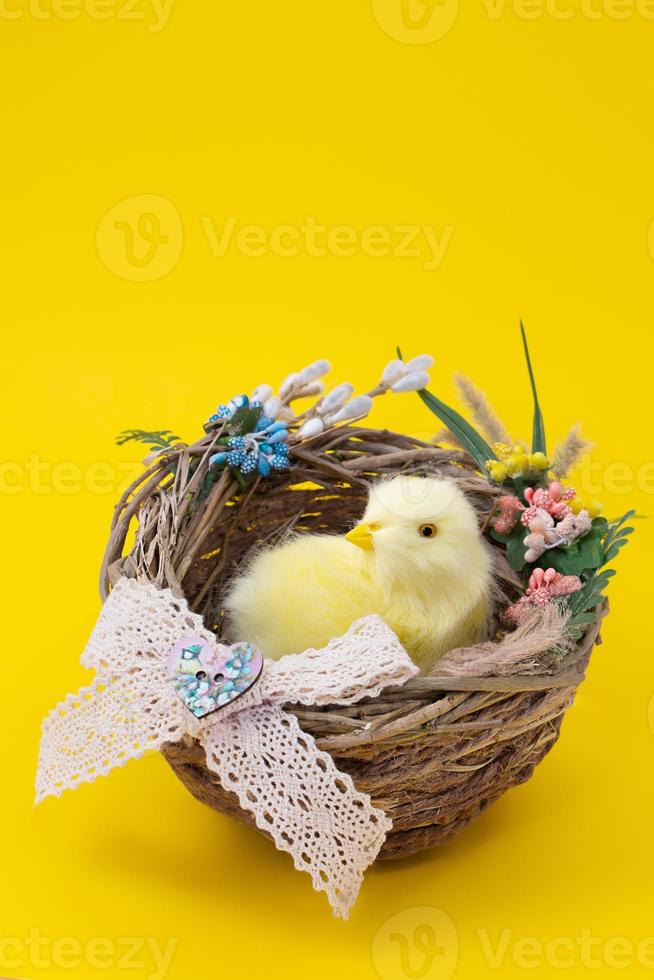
pixel 257 749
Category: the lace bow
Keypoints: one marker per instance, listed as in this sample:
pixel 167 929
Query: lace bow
pixel 258 750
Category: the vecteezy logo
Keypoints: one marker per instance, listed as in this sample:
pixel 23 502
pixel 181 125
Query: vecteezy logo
pixel 140 239
pixel 416 21
pixel 416 944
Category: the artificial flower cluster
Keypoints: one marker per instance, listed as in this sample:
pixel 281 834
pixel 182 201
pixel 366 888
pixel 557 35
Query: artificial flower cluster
pixel 552 517
pixel 339 406
pixel 544 585
pixel 258 428
pixel 515 461
pixel 544 523
pixel 413 375
pixel 257 443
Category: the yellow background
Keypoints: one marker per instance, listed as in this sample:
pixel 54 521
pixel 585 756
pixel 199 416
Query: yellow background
pixel 530 138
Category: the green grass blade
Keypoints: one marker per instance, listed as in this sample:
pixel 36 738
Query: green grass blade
pixel 469 438
pixel 538 443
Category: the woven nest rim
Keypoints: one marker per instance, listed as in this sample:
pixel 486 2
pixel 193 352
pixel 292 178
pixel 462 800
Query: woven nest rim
pixel 432 754
pixel 193 540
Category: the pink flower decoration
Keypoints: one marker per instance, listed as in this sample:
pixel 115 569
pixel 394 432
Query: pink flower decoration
pixel 565 585
pixel 549 519
pixel 541 576
pixel 544 585
pixel 538 519
pixel 511 503
pixel 507 519
pixel 573 526
pixel 559 492
pixel 530 514
pixel 552 580
pixel 553 500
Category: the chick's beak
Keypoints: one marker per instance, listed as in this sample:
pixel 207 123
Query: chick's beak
pixel 361 536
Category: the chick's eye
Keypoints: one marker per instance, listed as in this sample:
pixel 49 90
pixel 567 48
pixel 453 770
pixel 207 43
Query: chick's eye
pixel 427 530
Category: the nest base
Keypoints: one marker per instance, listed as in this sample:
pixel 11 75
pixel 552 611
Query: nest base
pixel 434 780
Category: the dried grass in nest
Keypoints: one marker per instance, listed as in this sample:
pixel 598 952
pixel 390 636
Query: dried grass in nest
pixel 432 754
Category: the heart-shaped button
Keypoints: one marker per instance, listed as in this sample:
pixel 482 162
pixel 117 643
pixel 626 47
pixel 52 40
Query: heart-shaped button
pixel 209 676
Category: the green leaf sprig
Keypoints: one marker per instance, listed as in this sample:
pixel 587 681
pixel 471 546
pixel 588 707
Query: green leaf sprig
pixel 160 439
pixel 582 603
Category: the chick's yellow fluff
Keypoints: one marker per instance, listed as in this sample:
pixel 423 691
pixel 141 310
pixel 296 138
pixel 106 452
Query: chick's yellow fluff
pixel 418 562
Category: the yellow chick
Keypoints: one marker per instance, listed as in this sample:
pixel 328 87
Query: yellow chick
pixel 417 560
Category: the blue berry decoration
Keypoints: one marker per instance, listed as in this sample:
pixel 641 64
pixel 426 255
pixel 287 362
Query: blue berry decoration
pixel 254 443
